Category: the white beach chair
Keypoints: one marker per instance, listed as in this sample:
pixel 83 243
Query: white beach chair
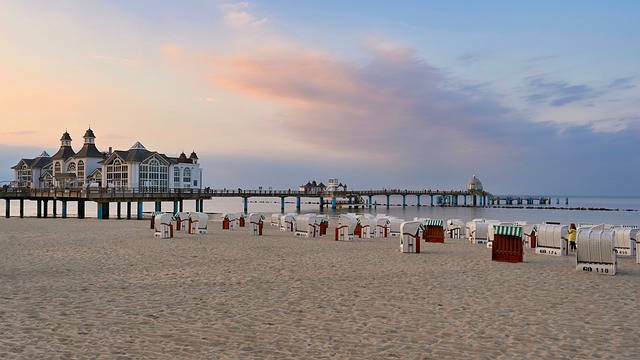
pixel 199 222
pixel 256 222
pixel 596 251
pixel 163 227
pixel 456 228
pixel 625 240
pixel 382 227
pixel 346 225
pixel 551 239
pixel 410 236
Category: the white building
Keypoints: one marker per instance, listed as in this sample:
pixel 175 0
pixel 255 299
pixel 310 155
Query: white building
pixel 136 168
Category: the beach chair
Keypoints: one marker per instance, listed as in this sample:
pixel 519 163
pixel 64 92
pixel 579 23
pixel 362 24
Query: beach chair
pixel 382 227
pixel 229 221
pixel 241 219
pixel 163 227
pixel 507 244
pixel 478 231
pixel 394 226
pixel 596 251
pixel 456 228
pixel 306 225
pixel 551 239
pixel 287 222
pixel 275 219
pixel 256 222
pixel 198 223
pixel 346 225
pixel 153 218
pixel 625 240
pixel 368 223
pixel 433 231
pixel 410 236
pixel 181 221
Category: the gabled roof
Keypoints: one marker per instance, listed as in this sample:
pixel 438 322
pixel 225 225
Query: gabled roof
pixel 137 155
pixel 38 163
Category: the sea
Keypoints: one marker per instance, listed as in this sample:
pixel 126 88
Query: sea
pixel 615 210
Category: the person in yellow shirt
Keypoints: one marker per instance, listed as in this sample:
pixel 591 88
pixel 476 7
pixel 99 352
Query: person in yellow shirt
pixel 573 232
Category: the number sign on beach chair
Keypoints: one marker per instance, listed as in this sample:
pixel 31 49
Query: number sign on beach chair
pixel 198 223
pixel 626 240
pixel 433 231
pixel 507 244
pixel 163 226
pixel 410 238
pixel 256 222
pixel 596 251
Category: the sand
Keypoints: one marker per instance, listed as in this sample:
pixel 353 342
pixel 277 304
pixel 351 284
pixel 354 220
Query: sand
pixel 109 289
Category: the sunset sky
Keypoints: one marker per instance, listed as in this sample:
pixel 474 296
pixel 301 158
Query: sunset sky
pixel 533 97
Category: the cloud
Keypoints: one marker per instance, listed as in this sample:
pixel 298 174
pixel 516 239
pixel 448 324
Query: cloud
pixel 236 15
pixel 625 83
pixel 558 93
pixel 119 60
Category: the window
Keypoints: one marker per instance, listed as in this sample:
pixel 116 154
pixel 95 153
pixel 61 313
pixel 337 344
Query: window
pixel 71 168
pixel 57 168
pixel 24 176
pixel 154 175
pixel 186 177
pixel 117 174
pixel 176 177
pixel 81 170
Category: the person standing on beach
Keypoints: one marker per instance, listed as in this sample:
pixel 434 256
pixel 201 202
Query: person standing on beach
pixel 572 237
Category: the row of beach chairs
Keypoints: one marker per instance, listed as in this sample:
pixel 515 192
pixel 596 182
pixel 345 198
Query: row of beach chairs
pixel 164 224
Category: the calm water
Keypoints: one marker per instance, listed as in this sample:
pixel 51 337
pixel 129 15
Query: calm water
pixel 619 210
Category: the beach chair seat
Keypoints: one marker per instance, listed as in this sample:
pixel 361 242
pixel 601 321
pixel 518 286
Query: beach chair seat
pixel 433 231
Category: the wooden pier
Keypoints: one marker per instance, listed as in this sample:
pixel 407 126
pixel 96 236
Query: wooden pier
pixel 352 198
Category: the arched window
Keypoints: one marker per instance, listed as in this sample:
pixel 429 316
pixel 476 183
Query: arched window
pixel 154 175
pixel 81 170
pixel 176 177
pixel 57 168
pixel 186 177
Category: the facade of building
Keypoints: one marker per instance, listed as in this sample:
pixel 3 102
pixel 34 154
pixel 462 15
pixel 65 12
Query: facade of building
pixel 136 168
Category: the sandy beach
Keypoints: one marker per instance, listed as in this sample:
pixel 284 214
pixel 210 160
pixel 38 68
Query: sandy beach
pixel 109 289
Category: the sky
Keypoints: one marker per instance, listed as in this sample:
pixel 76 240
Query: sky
pixel 532 97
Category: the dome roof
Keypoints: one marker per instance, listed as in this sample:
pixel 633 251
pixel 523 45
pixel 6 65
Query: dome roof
pixel 474 185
